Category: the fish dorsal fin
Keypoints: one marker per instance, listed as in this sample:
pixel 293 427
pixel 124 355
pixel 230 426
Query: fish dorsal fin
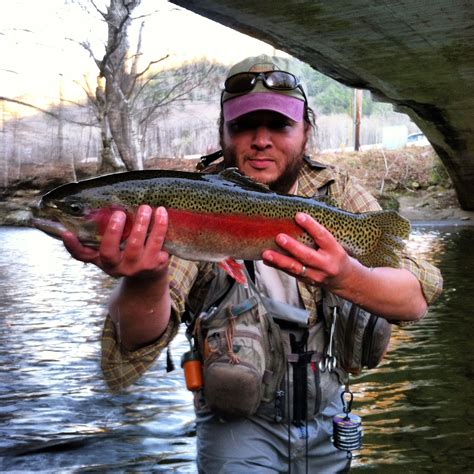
pixel 328 200
pixel 233 175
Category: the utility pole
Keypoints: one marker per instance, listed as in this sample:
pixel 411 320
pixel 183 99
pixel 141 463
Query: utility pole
pixel 357 115
pixel 60 146
pixel 3 148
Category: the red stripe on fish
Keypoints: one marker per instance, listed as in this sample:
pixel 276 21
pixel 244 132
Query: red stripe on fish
pixel 238 226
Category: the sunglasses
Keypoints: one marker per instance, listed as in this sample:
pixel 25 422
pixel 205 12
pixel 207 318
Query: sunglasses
pixel 276 80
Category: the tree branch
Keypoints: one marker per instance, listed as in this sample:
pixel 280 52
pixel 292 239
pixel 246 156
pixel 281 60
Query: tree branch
pixel 150 64
pixel 99 10
pixel 44 111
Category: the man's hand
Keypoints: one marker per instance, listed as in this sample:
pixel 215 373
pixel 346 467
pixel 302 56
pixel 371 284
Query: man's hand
pixel 142 255
pixel 327 264
pixel 393 293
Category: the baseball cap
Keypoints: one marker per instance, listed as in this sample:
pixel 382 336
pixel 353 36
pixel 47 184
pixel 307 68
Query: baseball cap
pixel 289 102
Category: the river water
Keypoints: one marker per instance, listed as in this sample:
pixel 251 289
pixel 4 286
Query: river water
pixel 56 414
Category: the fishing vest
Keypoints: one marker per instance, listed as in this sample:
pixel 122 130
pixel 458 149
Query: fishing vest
pixel 259 356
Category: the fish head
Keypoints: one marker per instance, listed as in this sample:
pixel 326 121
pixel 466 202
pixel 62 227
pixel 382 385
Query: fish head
pixel 85 214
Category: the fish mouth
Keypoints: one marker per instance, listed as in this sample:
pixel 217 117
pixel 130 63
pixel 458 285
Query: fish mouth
pixel 49 226
pixel 56 229
pixel 43 220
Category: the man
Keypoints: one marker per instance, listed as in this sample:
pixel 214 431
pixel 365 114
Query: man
pixel 264 130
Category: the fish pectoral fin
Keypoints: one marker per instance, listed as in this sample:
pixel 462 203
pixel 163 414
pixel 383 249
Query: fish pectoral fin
pixel 234 269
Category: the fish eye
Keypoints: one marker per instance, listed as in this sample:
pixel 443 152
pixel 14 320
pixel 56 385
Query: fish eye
pixel 75 208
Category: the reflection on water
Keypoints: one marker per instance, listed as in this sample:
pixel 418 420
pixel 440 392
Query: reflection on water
pixel 416 407
pixel 56 414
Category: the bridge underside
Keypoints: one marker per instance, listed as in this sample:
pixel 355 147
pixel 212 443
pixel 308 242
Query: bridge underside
pixel 416 55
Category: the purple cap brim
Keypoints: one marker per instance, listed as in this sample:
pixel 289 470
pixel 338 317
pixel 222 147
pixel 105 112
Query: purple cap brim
pixel 291 107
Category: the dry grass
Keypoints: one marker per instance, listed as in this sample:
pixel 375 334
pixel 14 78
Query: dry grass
pixel 380 171
pixel 392 170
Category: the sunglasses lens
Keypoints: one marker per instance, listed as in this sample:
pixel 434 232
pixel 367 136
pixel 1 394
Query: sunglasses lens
pixel 281 80
pixel 242 82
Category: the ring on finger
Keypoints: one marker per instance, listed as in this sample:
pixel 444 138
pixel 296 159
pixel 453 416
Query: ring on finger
pixel 303 271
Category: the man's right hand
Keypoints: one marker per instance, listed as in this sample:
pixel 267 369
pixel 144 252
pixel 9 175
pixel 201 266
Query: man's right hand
pixel 142 254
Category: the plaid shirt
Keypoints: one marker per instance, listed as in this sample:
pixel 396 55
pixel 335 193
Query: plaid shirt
pixel 189 280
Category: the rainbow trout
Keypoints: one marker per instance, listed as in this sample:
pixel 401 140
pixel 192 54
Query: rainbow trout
pixel 215 218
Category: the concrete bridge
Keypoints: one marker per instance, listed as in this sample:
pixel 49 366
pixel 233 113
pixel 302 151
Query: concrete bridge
pixel 415 54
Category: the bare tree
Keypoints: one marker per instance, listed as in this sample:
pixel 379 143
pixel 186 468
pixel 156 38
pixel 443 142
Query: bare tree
pixel 119 82
pixel 108 160
pixel 157 92
pixel 126 97
pixel 111 95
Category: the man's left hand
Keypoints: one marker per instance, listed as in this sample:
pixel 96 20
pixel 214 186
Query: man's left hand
pixel 326 264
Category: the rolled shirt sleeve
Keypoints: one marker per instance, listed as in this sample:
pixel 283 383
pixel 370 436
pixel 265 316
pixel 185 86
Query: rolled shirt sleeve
pixel 427 274
pixel 121 367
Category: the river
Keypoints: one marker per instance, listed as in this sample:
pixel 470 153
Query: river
pixel 56 414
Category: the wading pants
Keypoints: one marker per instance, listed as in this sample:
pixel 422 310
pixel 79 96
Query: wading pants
pixel 256 445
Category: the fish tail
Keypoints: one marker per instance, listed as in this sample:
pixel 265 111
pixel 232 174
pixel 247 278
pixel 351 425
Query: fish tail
pixel 392 231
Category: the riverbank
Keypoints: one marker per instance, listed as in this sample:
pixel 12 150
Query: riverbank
pixel 436 206
pixel 411 180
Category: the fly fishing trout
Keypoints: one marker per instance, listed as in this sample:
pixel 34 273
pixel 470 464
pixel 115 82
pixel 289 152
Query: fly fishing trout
pixel 216 218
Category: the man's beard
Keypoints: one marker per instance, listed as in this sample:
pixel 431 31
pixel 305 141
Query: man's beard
pixel 285 181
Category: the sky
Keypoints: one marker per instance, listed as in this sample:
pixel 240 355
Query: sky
pixel 39 43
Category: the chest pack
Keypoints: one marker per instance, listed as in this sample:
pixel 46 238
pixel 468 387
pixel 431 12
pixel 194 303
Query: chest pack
pixel 260 357
pixel 242 353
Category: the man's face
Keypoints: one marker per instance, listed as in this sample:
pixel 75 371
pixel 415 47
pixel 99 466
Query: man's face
pixel 267 147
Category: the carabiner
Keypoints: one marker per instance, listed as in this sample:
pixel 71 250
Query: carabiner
pixel 329 361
